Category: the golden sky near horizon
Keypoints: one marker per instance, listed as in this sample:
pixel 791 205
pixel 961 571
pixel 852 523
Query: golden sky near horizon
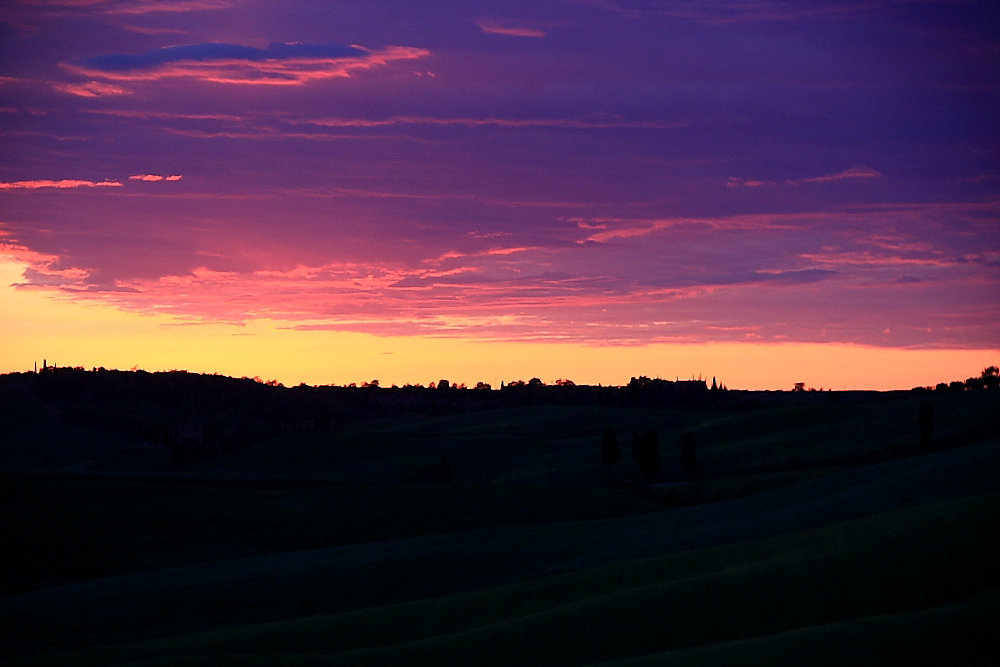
pixel 40 325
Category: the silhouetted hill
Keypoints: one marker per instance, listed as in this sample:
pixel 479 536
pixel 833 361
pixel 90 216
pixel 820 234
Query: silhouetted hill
pixel 100 420
pixel 197 415
pixel 198 519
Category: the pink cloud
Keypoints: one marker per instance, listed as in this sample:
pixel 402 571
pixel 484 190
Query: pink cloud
pixel 41 271
pixel 820 276
pixel 272 71
pixel 868 258
pixel 151 178
pixel 271 134
pixel 153 31
pixel 154 6
pixel 630 228
pixel 64 184
pixel 492 27
pixel 853 172
pixel 466 301
pixel 91 89
pixel 735 182
pixel 125 113
pixel 600 121
pixel 64 3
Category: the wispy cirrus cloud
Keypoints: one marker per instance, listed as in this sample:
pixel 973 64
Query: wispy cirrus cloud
pixel 63 3
pixel 59 185
pixel 475 302
pixel 620 228
pixel 723 12
pixel 881 259
pixel 135 6
pixel 678 279
pixel 151 178
pixel 219 51
pixel 128 113
pixel 143 30
pixel 276 127
pixel 596 121
pixel 853 172
pixel 278 64
pixel 91 89
pixel 158 6
pixel 509 28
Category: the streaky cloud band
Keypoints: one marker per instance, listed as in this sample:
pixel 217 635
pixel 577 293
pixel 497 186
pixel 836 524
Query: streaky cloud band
pixel 154 177
pixel 278 64
pixel 586 122
pixel 219 51
pixel 59 185
pixel 853 172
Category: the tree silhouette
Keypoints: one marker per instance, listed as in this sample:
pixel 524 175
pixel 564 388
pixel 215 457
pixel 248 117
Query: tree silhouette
pixel 646 450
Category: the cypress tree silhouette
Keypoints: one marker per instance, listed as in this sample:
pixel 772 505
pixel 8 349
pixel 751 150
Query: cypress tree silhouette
pixel 688 461
pixel 646 450
pixel 926 420
pixel 611 453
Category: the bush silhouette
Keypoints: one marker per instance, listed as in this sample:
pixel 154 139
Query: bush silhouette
pixel 646 450
pixel 611 453
pixel 688 460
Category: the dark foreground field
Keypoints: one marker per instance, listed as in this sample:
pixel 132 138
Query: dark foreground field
pixel 811 534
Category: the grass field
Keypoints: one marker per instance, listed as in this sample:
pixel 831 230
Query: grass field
pixel 887 566
pixel 810 535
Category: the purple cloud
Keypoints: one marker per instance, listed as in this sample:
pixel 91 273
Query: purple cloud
pixel 853 172
pixel 509 28
pixel 58 185
pixel 218 51
pixel 697 172
pixel 219 62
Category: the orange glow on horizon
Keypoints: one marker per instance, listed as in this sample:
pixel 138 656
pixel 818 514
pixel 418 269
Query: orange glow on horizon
pixel 39 326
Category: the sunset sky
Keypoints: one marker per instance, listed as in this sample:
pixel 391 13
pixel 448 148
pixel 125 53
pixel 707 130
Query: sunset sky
pixel 332 192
